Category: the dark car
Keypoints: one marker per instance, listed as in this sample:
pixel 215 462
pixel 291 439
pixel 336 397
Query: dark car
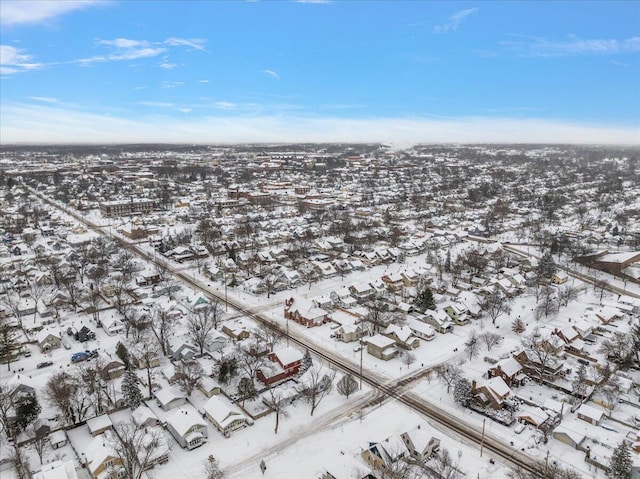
pixel 44 364
pixel 92 354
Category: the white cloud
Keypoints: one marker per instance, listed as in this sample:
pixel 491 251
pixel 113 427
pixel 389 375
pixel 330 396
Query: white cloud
pixel 272 74
pixel 159 104
pixel 13 60
pixel 45 99
pixel 167 65
pixel 226 105
pixel 16 12
pixel 51 124
pixel 171 84
pixel 203 81
pixel 454 21
pixel 197 43
pixel 573 46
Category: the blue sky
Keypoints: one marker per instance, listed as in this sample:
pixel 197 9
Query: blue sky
pixel 401 72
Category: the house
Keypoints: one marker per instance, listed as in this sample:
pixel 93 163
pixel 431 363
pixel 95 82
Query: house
pixel 144 417
pixel 235 332
pixel 49 339
pixel 559 278
pixel 457 312
pixel 215 342
pixel 281 365
pixel 420 445
pixel 112 370
pixel 381 347
pixel 393 281
pixel 254 286
pixel 361 291
pixel 169 398
pixel 569 436
pixel 590 414
pixel 101 460
pixel 533 367
pixel 402 335
pixel 343 298
pixel 382 455
pixel 421 329
pixel 84 334
pixel 58 439
pixel 510 370
pixel 182 351
pixel 57 470
pixel 209 387
pixel 223 416
pixel 187 428
pixel 99 424
pixel 111 325
pixel 491 392
pixel 348 333
pixel 440 320
pixel 533 415
pixel 304 312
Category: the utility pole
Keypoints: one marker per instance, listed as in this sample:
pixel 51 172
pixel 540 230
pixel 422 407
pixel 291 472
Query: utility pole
pixel 482 440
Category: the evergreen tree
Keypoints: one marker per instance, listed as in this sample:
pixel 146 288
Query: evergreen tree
pixel 131 389
pixel 27 410
pixel 621 465
pixel 9 345
pixel 546 266
pixel 247 389
pixel 425 300
pixel 123 354
pixel 518 326
pixel 462 392
pixel 447 262
pixel 307 362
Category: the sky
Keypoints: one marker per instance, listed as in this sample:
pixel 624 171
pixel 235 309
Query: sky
pixel 319 71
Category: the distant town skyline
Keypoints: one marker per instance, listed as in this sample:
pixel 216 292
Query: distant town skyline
pixel 319 71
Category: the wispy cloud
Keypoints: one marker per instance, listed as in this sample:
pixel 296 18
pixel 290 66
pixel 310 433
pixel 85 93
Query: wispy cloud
pixel 226 105
pixel 172 84
pixel 129 49
pixel 14 60
pixel 272 74
pixel 167 65
pixel 203 81
pixel 163 104
pixel 572 46
pixel 52 124
pixel 17 12
pixel 454 21
pixel 45 99
pixel 196 43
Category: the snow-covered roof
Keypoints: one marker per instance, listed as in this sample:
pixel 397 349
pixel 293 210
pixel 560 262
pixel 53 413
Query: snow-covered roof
pixel 99 422
pixel 168 394
pixel 590 412
pixel 288 355
pixel 57 470
pixel 380 341
pixel 221 412
pixel 184 419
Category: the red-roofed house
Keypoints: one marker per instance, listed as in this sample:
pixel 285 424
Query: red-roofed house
pixel 282 365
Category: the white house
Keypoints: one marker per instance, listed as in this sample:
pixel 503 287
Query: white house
pixel 223 416
pixel 187 427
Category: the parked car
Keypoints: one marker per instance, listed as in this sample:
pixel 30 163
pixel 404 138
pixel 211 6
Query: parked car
pixel 79 357
pixel 519 428
pixel 92 354
pixel 44 364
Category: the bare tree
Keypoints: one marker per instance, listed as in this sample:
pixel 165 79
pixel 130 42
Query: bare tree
pixel 567 294
pixel 518 326
pixel 619 348
pixel 189 375
pixel 496 304
pixel 347 385
pixel 211 469
pixel 136 447
pixel 378 316
pixel 162 326
pixel 277 402
pixel 445 466
pixel 490 339
pixel 250 359
pixel 202 321
pixel 548 304
pixel 408 358
pixel 268 335
pixel 541 357
pixel 472 344
pixel 447 373
pixel 39 442
pixel 315 385
pixel 65 392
